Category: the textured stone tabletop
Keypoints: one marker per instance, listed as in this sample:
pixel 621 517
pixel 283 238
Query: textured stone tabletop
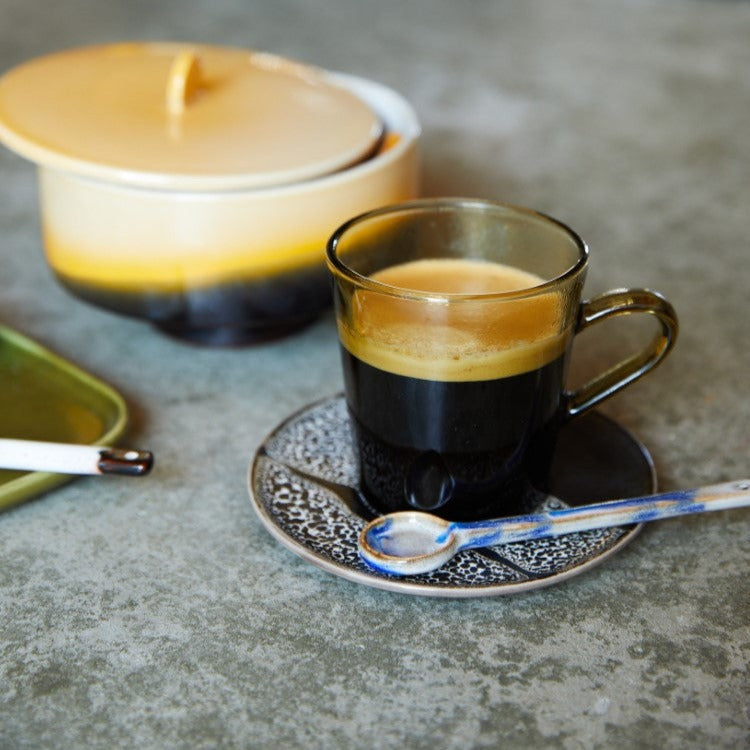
pixel 159 613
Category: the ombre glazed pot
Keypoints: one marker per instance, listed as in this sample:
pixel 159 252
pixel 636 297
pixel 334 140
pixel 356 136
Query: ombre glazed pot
pixel 202 202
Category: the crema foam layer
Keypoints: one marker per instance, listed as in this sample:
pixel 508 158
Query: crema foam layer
pixel 454 338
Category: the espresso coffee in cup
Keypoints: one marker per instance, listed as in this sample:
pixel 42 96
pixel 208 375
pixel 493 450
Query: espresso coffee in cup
pixel 456 319
pixel 498 397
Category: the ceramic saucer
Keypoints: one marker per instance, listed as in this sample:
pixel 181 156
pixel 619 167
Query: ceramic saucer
pixel 304 488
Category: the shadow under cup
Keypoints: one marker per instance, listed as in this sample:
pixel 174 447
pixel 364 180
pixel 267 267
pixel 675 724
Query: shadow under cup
pixel 456 319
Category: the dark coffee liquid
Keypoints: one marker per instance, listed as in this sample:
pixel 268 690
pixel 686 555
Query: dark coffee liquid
pixel 479 446
pixel 454 407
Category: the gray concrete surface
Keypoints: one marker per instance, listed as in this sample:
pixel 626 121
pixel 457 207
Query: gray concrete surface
pixel 160 614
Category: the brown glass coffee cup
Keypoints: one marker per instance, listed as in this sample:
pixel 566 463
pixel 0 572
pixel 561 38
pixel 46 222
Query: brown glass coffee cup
pixel 456 320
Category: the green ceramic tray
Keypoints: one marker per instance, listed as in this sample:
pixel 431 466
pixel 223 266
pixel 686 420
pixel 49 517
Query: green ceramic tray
pixel 45 397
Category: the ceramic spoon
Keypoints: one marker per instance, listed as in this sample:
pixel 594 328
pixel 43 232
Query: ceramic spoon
pixel 68 458
pixel 408 543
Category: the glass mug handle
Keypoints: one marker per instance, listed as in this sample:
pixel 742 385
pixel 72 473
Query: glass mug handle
pixel 623 302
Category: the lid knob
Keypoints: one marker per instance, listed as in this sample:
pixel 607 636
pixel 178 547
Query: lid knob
pixel 183 80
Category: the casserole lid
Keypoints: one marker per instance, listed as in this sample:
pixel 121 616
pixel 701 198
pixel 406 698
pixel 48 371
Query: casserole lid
pixel 190 117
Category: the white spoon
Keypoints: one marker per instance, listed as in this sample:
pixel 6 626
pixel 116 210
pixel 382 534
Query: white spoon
pixel 69 458
pixel 409 543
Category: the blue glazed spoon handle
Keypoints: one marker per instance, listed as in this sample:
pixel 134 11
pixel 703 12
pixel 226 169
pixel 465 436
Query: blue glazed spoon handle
pixel 603 515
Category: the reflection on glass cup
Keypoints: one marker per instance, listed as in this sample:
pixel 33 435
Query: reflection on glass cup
pixel 456 320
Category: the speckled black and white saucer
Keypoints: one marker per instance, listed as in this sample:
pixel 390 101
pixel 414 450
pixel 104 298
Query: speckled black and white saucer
pixel 304 488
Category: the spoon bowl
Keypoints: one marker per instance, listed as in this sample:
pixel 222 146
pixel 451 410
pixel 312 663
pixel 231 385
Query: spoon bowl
pixel 409 542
